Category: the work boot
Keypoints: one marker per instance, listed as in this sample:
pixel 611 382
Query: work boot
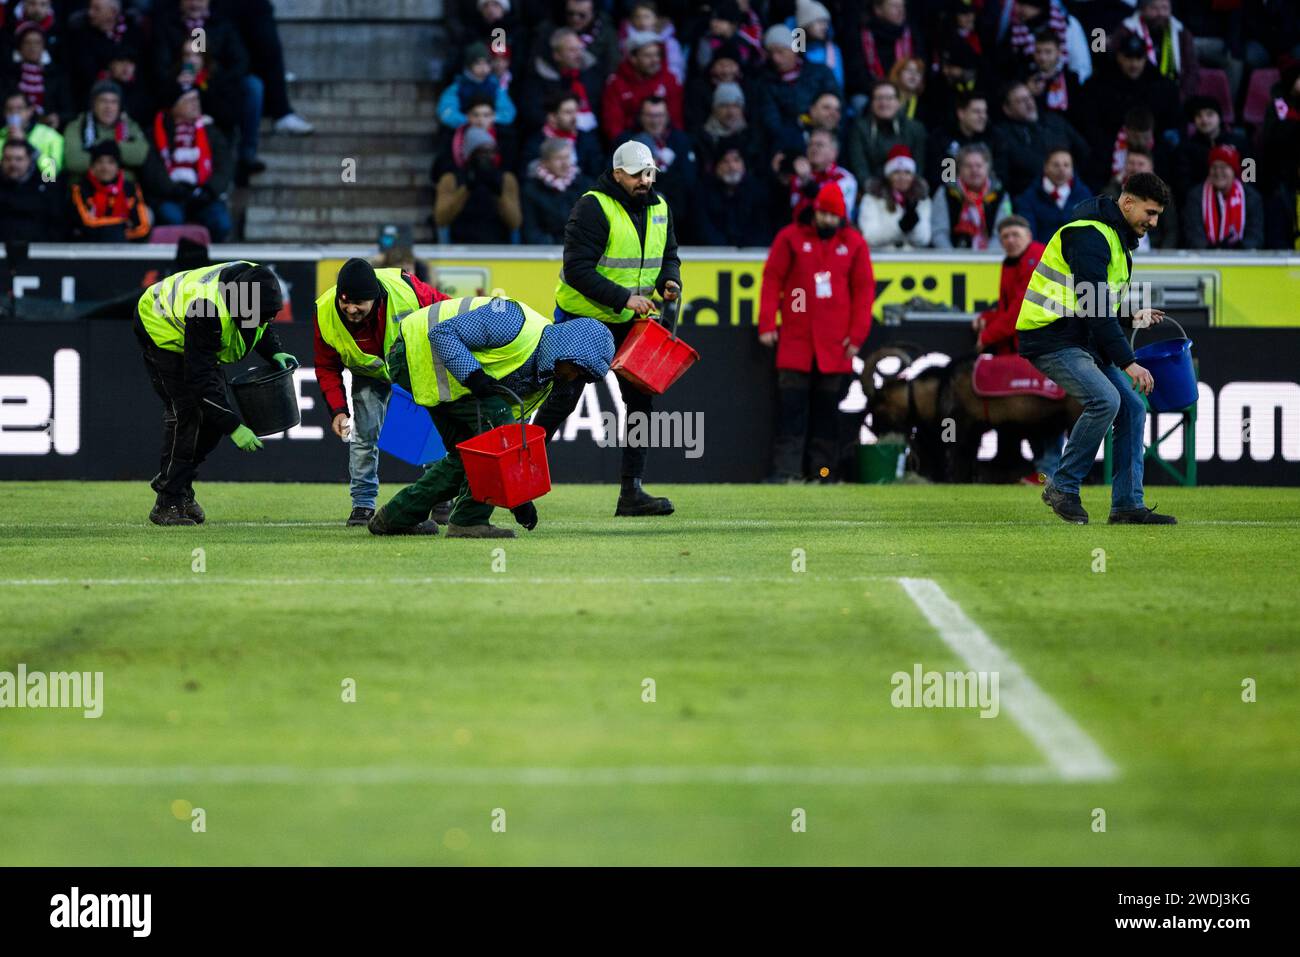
pixel 378 525
pixel 1067 506
pixel 360 516
pixel 479 531
pixel 442 512
pixel 633 500
pixel 170 515
pixel 195 511
pixel 1139 516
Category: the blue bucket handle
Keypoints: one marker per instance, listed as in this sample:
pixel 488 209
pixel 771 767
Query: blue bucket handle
pixel 1133 338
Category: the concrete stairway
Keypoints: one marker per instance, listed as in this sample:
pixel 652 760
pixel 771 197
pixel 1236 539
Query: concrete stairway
pixel 364 77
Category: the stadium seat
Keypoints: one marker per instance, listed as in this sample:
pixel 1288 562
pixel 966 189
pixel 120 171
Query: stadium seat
pixel 1257 104
pixel 173 234
pixel 1215 83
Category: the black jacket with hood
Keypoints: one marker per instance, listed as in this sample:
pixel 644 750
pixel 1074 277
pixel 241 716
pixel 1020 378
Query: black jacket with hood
pixel 1088 255
pixel 587 232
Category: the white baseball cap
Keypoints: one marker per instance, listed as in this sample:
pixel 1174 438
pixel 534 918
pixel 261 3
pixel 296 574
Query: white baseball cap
pixel 633 157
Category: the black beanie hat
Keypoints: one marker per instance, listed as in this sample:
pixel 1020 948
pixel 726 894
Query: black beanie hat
pixel 357 281
pixel 106 148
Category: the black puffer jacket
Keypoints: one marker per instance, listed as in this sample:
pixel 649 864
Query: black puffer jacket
pixel 1088 254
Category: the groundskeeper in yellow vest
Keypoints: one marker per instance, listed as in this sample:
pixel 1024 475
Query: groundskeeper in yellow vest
pixel 163 308
pixel 625 262
pixel 402 301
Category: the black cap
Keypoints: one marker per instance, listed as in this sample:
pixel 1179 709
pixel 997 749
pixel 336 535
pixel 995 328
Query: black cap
pixel 357 281
pixel 106 148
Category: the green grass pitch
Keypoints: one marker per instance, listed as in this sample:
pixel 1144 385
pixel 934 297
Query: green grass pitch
pixel 522 689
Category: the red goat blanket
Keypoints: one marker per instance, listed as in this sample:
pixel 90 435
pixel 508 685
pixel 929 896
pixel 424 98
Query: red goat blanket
pixel 1011 375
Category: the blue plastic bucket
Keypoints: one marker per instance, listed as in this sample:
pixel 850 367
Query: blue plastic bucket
pixel 408 431
pixel 1170 363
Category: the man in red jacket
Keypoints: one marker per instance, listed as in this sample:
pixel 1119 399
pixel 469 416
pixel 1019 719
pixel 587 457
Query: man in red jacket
pixel 642 74
pixel 997 326
pixel 818 274
pixel 356 321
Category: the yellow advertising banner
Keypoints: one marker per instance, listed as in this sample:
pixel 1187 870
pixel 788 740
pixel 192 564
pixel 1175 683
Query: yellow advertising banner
pixel 722 291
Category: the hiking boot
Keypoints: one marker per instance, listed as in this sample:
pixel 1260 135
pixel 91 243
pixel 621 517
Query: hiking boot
pixel 1067 506
pixel 360 516
pixel 638 502
pixel 378 525
pixel 195 511
pixel 1139 516
pixel 170 515
pixel 442 512
pixel 479 531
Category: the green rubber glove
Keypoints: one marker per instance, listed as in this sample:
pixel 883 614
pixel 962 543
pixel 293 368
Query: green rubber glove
pixel 286 359
pixel 245 439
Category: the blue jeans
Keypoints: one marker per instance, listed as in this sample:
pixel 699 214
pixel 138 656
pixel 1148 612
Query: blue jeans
pixel 213 215
pixel 369 403
pixel 250 123
pixel 1107 396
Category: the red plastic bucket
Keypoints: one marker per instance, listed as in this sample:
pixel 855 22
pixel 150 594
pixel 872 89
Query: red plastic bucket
pixel 652 357
pixel 506 466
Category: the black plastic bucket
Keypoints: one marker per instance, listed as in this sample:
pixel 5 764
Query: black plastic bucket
pixel 267 400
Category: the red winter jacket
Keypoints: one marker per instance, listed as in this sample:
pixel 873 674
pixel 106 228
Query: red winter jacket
pixel 370 339
pixel 627 89
pixel 827 323
pixel 999 334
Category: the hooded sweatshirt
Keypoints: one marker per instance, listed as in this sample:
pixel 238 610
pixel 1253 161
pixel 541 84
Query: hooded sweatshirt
pixel 1088 254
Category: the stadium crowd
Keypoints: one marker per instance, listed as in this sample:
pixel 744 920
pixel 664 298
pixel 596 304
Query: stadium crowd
pixel 124 114
pixel 936 118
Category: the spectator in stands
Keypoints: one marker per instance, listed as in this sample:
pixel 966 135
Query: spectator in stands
pixel 818 276
pixel 478 203
pixel 31 208
pixel 1018 24
pixel 644 18
pixel 1168 45
pixel 551 187
pixel 996 326
pixel 1126 81
pixel 964 212
pixel 106 206
pixel 1166 234
pixel 1055 89
pixel 476 80
pixel 826 113
pixel 673 154
pixel 1192 159
pixel 198 162
pixel 255 22
pixel 727 128
pixel 641 75
pixel 1283 223
pixel 908 77
pixel 593 28
pixel 785 89
pixel 93 35
pixel 725 37
pixel 481 114
pixel 961 74
pixel 564 66
pixel 220 92
pixel 485 22
pixel 700 89
pixel 39 13
pixel 34 73
pixel 1272 32
pixel 1048 205
pixel 1023 138
pixel 968 124
pixel 562 124
pixel 105 121
pixel 895 212
pixel 731 205
pixel 874 134
pixel 21 127
pixel 819 166
pixel 1280 137
pixel 819 45
pixel 126 70
pixel 885 38
pixel 1224 213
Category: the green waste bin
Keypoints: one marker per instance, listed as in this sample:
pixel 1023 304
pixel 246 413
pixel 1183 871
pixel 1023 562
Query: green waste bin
pixel 881 463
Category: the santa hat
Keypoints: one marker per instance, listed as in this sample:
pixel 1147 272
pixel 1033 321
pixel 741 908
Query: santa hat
pixel 900 158
pixel 1226 153
pixel 830 200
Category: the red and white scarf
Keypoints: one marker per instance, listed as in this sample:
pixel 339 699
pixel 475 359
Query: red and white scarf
pixel 1022 35
pixel 902 51
pixel 186 153
pixel 107 200
pixel 972 220
pixel 1060 194
pixel 558 183
pixel 1224 218
pixel 1056 95
pixel 31 80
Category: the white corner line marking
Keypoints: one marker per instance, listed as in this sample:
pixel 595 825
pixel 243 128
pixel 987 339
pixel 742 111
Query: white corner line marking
pixel 1067 747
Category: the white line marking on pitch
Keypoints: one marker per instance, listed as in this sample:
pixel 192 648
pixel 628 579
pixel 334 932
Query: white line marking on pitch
pixel 538 776
pixel 199 581
pixel 1067 747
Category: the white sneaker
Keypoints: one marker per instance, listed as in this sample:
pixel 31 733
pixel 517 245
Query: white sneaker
pixel 294 125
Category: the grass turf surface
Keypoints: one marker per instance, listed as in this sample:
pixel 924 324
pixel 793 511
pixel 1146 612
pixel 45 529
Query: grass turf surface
pixel 522 689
